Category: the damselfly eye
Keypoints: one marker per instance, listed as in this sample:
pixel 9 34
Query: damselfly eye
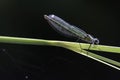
pixel 96 41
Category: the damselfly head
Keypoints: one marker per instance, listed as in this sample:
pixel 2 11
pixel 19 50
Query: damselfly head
pixel 96 41
pixel 92 40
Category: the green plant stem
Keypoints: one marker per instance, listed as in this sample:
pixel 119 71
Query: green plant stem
pixel 112 49
pixel 74 46
pixel 18 40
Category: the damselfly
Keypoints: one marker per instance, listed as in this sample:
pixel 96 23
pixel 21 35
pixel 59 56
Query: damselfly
pixel 70 30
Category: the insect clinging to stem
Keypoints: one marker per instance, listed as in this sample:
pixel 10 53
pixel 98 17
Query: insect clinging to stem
pixel 70 30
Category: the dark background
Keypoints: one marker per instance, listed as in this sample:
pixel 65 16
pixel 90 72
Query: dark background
pixel 24 18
